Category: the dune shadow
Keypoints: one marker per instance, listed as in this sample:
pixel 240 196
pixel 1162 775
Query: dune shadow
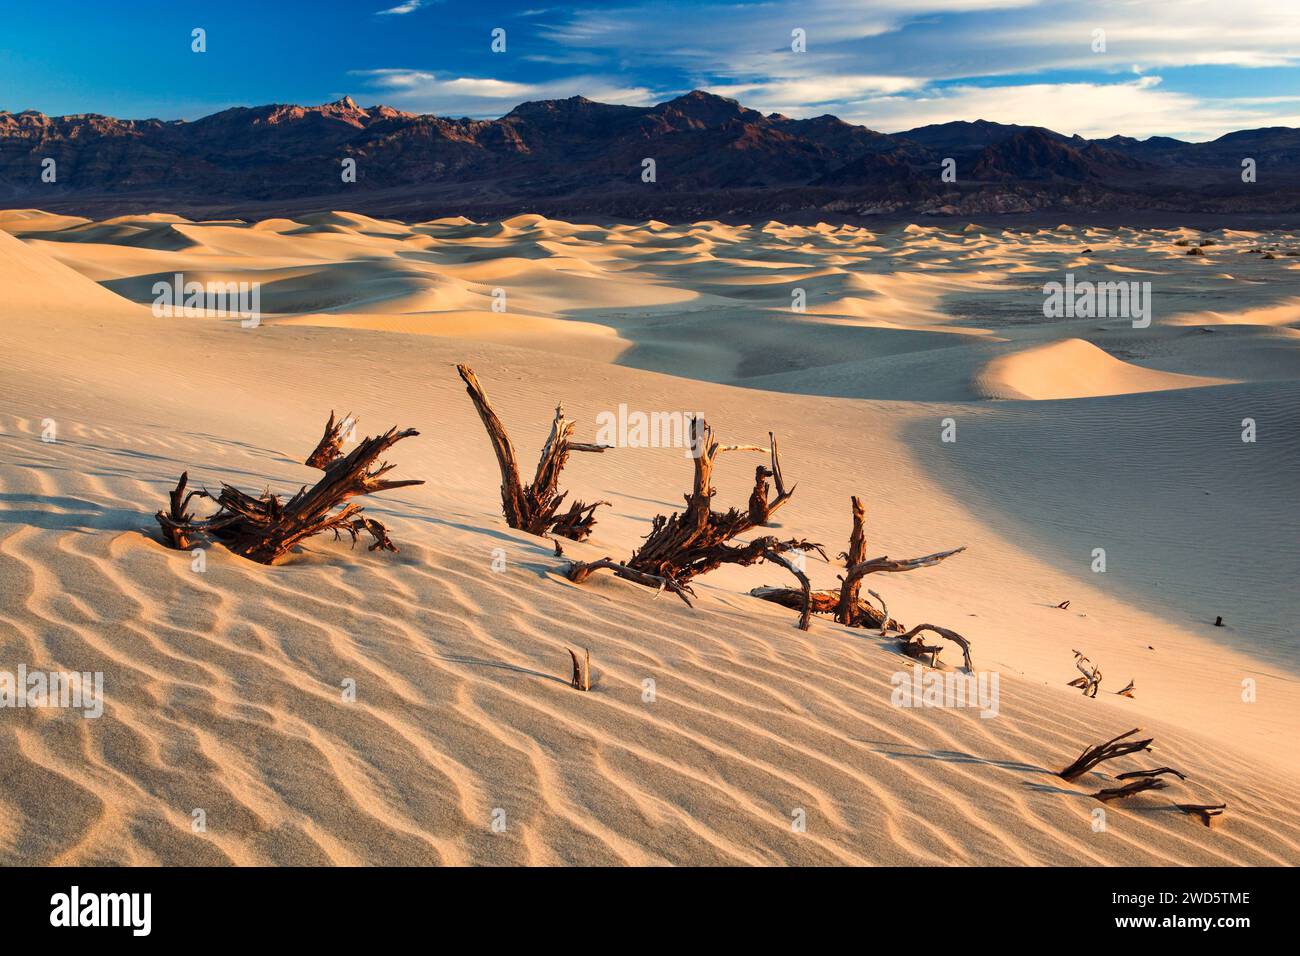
pixel 956 756
pixel 479 662
pixel 79 514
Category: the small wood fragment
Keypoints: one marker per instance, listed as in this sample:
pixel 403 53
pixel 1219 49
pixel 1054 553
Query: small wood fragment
pixel 1091 679
pixel 581 669
pixel 1208 812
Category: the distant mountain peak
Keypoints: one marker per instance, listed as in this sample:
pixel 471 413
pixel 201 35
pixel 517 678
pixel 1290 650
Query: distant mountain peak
pixel 572 156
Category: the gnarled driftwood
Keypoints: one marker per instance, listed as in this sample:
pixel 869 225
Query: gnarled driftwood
pixel 686 544
pixel 330 447
pixel 1091 679
pixel 846 603
pixel 264 529
pixel 533 508
pixel 912 645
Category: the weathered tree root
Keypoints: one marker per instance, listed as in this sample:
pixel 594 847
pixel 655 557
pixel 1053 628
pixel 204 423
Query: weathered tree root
pixel 265 530
pixel 805 608
pixel 533 508
pixel 1128 690
pixel 686 544
pixel 1091 679
pixel 1137 786
pixel 846 604
pixel 330 447
pixel 177 519
pixel 581 670
pixel 919 649
pixel 1111 749
pixel 1208 812
pixel 760 509
pixel 579 571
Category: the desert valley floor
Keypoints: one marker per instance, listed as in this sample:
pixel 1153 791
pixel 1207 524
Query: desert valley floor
pixel 223 687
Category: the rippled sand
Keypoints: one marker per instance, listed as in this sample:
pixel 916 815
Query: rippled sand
pixel 224 688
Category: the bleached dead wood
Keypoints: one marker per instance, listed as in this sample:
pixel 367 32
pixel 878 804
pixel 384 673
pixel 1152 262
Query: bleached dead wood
pixel 581 670
pixel 760 509
pixel 1091 679
pixel 805 610
pixel 946 633
pixel 845 613
pixel 884 612
pixel 846 603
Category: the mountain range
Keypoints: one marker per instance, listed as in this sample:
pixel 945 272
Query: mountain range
pixel 712 157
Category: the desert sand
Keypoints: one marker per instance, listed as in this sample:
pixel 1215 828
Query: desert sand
pixel 223 688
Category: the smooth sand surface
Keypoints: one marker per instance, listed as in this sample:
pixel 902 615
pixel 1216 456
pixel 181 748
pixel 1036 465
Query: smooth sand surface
pixel 224 689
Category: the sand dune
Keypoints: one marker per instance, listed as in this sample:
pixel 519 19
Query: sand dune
pixel 734 290
pixel 34 282
pixel 224 688
pixel 1073 368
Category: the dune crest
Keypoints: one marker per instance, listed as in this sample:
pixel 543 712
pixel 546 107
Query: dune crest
pixel 1074 368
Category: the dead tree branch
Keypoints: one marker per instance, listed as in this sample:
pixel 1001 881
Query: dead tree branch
pixel 884 612
pixel 1151 773
pixel 176 519
pixel 846 603
pixel 1111 749
pixel 760 509
pixel 265 529
pixel 855 555
pixel 534 508
pixel 696 540
pixel 579 571
pixel 1137 786
pixel 805 610
pixel 906 640
pixel 330 447
pixel 1091 679
pixel 845 613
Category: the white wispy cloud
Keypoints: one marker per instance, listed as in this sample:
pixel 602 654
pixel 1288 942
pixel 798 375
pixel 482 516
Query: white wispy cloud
pixel 425 91
pixel 410 6
pixel 1138 108
pixel 894 64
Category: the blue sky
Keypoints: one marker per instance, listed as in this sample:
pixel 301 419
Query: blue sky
pixel 1188 68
